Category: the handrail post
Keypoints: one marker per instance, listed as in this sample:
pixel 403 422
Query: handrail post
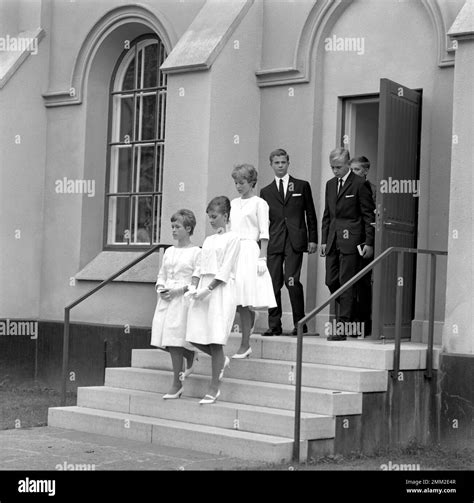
pixel 398 314
pixel 65 356
pixel 68 308
pixel 299 360
pixel 429 354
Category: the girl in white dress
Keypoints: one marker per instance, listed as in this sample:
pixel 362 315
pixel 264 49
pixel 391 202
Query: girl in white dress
pixel 179 273
pixel 213 305
pixel 249 218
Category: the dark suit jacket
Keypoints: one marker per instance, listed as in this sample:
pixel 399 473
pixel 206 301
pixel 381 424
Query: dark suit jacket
pixel 348 215
pixel 295 215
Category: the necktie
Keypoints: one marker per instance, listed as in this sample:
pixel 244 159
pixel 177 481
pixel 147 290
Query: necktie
pixel 282 192
pixel 339 186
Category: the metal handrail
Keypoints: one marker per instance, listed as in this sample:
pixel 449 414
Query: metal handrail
pixel 68 308
pixel 398 322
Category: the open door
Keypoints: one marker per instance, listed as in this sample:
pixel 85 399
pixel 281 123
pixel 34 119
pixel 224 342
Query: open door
pixel 396 203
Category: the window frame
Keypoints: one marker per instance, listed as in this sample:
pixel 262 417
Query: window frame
pixel 114 125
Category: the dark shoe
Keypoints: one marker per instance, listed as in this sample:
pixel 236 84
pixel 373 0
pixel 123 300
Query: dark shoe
pixel 272 331
pixel 336 338
pixel 295 330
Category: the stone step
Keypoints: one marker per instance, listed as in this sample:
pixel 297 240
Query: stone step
pixel 204 438
pixel 359 353
pixel 276 371
pixel 279 396
pixel 252 418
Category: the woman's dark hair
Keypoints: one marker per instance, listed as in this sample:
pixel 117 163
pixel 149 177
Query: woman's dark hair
pixel 221 204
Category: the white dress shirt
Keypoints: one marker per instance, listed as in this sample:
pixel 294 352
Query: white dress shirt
pixel 344 178
pixel 286 181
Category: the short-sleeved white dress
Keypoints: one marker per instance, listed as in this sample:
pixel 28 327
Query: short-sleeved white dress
pixel 178 267
pixel 249 218
pixel 210 320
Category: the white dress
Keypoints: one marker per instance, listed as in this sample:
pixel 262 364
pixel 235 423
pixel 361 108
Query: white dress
pixel 210 319
pixel 249 218
pixel 178 267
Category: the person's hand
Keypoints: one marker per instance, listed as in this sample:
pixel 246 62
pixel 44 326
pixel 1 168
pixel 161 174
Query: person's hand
pixel 367 251
pixel 312 247
pixel 261 266
pixel 202 293
pixel 164 293
pixel 191 291
pixel 322 251
pixel 171 293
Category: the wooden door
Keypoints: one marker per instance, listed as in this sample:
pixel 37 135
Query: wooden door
pixel 396 203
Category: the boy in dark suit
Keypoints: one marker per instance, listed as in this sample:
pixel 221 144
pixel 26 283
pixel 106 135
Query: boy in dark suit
pixel 363 310
pixel 348 214
pixel 293 231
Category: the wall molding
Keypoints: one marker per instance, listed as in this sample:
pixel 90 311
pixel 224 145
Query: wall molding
pixel 107 24
pixel 322 16
pixel 444 47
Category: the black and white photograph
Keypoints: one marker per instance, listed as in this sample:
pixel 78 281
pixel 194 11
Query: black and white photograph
pixel 237 236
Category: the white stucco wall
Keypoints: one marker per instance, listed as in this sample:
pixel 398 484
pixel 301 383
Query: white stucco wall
pixel 64 233
pixel 458 336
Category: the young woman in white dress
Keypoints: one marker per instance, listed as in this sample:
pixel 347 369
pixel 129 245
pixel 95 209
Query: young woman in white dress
pixel 212 309
pixel 249 218
pixel 179 273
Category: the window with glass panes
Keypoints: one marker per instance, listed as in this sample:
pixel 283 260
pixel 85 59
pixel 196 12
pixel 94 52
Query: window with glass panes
pixel 136 146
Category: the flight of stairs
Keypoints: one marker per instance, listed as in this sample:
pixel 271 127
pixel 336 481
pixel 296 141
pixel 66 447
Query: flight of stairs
pixel 254 416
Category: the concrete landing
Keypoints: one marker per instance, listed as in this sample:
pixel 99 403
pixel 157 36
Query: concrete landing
pixel 49 448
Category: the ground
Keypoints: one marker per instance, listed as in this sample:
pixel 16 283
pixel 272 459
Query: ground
pixel 24 406
pixel 25 403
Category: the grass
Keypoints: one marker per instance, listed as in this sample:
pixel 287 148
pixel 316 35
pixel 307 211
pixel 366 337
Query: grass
pixel 25 404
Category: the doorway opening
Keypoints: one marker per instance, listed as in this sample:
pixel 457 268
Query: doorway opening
pixel 385 128
pixel 360 126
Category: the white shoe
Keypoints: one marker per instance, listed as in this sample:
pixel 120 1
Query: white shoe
pixel 210 399
pixel 243 355
pixel 168 396
pixel 226 364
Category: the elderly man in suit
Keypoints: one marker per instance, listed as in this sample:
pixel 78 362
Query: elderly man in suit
pixel 348 214
pixel 293 231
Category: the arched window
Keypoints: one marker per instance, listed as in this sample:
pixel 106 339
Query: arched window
pixel 136 146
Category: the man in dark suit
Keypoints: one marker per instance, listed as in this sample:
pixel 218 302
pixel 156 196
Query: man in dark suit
pixel 293 231
pixel 348 214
